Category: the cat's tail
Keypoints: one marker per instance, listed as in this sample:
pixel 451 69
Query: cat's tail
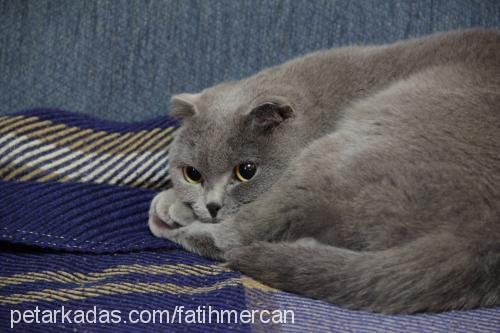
pixel 433 273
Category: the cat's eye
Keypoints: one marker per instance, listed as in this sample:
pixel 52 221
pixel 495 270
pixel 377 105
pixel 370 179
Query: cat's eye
pixel 245 171
pixel 191 175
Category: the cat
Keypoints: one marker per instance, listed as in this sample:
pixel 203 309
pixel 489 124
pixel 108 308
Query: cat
pixel 364 176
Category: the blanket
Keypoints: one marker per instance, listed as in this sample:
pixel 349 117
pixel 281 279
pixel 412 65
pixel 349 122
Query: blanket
pixel 76 253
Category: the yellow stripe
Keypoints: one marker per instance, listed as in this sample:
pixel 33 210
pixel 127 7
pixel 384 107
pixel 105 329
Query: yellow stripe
pixel 111 146
pixel 138 147
pixel 41 133
pixel 150 138
pixel 74 146
pixel 163 141
pixel 125 144
pixel 20 121
pixel 8 120
pixel 119 148
pixel 121 288
pixel 111 140
pixel 129 161
pixel 25 141
pixel 88 145
pixel 61 142
pixel 158 184
pixel 52 126
pixel 139 181
pixel 76 135
pixel 157 133
pixel 136 140
pixel 31 126
pixel 81 152
pixel 89 140
pixel 70 277
pixel 28 165
pixel 114 143
pixel 167 138
pixel 4 118
pixel 65 132
pixel 253 284
pixel 26 137
pixel 28 125
pixel 53 173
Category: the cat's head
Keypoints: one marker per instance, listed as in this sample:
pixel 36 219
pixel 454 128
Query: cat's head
pixel 234 143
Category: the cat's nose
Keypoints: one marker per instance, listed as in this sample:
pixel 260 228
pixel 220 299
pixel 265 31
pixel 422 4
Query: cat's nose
pixel 213 209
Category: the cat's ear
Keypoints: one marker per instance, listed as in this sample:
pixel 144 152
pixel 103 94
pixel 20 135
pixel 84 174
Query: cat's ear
pixel 183 106
pixel 268 115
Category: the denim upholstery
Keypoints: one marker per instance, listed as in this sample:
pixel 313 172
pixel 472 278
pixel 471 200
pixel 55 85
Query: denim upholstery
pixel 121 60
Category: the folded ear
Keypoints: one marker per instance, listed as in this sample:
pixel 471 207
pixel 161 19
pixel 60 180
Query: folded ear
pixel 268 115
pixel 183 105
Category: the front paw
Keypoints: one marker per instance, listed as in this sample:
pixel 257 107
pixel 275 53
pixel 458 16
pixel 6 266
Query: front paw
pixel 258 260
pixel 166 212
pixel 244 257
pixel 196 237
pixel 159 218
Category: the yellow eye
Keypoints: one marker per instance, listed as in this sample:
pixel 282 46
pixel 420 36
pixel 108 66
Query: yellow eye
pixel 191 175
pixel 245 171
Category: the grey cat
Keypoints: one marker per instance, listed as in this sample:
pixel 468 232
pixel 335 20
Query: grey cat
pixel 364 176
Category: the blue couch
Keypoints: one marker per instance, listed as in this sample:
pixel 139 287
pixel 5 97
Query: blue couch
pixel 123 59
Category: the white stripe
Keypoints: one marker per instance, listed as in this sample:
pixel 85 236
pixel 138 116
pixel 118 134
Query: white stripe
pixel 59 151
pixel 46 167
pixel 147 158
pixel 161 183
pixel 91 176
pixel 45 147
pixel 25 145
pixel 88 156
pixel 22 148
pixel 136 174
pixel 34 152
pixel 162 161
pixel 139 160
pixel 114 181
pixel 150 156
pixel 129 167
pixel 117 156
pixel 106 175
pixel 163 173
pixel 52 165
pixel 7 137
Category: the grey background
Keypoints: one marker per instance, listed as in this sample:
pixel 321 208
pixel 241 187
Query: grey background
pixel 122 60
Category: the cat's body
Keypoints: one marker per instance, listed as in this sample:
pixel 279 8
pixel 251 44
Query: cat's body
pixel 378 175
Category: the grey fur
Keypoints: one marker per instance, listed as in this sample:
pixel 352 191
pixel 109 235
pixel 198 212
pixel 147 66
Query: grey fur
pixel 386 158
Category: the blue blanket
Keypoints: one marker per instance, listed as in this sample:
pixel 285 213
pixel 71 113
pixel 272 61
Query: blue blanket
pixel 77 255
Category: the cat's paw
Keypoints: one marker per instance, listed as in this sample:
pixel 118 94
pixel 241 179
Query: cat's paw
pixel 277 265
pixel 195 237
pixel 255 260
pixel 167 212
pixel 159 218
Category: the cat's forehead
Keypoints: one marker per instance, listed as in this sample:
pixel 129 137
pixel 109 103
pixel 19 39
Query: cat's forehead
pixel 215 143
pixel 219 134
pixel 226 100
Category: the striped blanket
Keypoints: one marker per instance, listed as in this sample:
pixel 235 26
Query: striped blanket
pixel 76 253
